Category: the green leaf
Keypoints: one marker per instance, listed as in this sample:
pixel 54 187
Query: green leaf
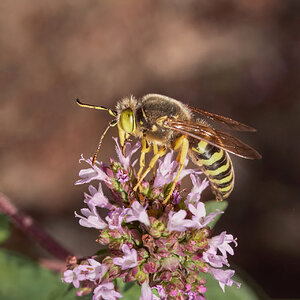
pixel 102 252
pixel 4 228
pixel 213 206
pixel 129 290
pixel 231 292
pixel 22 278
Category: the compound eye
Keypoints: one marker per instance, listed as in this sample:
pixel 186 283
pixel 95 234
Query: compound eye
pixel 127 121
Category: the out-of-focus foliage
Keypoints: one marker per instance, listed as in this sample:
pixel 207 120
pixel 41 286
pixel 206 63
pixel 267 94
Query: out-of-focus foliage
pixel 231 293
pixel 23 279
pixel 212 206
pixel 4 228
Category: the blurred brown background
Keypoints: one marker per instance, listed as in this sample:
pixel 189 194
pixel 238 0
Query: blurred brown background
pixel 238 58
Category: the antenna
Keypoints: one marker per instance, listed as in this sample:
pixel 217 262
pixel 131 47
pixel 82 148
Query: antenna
pixel 111 124
pixel 110 111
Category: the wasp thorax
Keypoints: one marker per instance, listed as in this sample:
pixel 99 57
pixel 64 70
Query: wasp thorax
pixel 127 120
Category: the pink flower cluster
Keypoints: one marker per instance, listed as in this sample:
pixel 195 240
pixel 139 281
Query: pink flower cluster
pixel 164 248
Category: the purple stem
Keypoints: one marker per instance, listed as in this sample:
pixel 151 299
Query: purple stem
pixel 32 229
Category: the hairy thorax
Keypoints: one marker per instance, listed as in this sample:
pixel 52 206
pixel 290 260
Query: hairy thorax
pixel 152 112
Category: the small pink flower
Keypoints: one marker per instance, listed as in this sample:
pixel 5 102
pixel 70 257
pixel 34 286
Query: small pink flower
pixel 129 151
pixel 161 291
pixel 106 291
pixel 93 173
pixel 72 276
pixel 115 218
pixel 224 277
pixel 199 218
pixel 138 213
pixel 94 270
pixel 177 221
pixel 91 218
pixel 97 197
pixel 198 188
pixel 165 171
pixel 213 259
pixel 122 176
pixel 129 260
pixel 221 242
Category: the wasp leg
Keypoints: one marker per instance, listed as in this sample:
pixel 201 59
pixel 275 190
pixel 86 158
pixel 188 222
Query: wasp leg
pixel 183 144
pixel 155 151
pixel 154 159
pixel 144 150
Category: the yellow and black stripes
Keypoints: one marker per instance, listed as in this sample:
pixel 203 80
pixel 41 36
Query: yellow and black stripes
pixel 216 164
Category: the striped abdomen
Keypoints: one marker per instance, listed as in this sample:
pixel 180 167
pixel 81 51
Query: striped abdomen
pixel 216 164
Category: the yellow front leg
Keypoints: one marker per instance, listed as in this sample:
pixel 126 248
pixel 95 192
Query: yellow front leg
pixel 144 150
pixel 155 151
pixel 152 163
pixel 183 144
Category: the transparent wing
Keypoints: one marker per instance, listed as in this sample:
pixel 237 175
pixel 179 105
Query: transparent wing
pixel 232 124
pixel 214 137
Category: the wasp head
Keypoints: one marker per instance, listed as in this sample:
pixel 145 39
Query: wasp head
pixel 126 109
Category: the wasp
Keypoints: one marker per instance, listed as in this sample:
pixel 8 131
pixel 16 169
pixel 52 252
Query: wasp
pixel 164 123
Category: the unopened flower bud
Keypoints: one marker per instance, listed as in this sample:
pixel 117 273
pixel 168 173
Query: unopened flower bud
pixel 190 265
pixel 110 173
pixel 115 234
pixel 104 237
pixel 202 266
pixel 131 275
pixel 190 278
pixel 108 261
pixel 144 188
pixel 148 242
pixel 166 276
pixel 114 272
pixel 178 282
pixel 171 289
pixel 170 263
pixel 142 253
pixel 156 193
pixel 206 232
pixel 157 228
pixel 191 246
pixel 150 266
pixel 115 244
pixel 84 291
pixel 141 276
pixel 135 235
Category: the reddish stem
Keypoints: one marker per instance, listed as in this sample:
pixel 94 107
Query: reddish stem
pixel 32 229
